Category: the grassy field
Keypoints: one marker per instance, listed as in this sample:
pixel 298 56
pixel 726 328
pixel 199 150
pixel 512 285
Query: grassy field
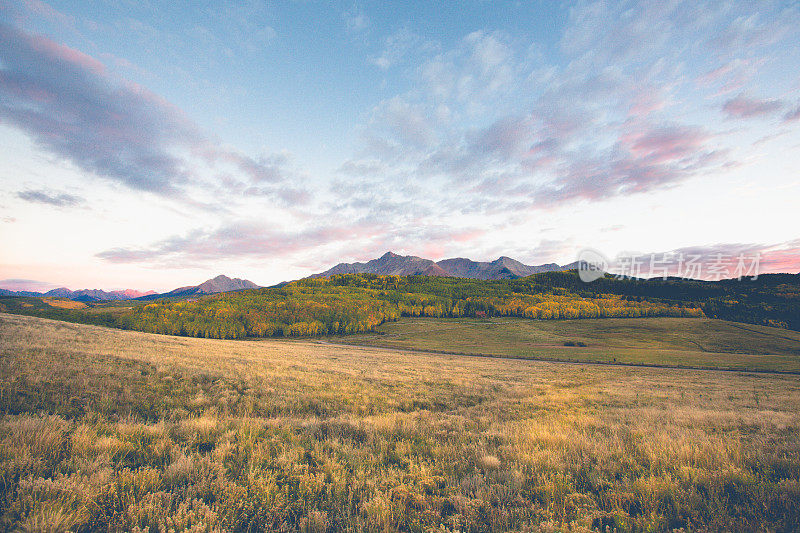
pixel 688 342
pixel 109 430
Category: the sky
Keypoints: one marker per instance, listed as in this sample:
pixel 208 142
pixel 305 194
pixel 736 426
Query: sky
pixel 150 145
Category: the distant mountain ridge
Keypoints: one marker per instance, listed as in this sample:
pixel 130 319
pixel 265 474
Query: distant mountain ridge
pixel 81 295
pixel 459 267
pixel 212 286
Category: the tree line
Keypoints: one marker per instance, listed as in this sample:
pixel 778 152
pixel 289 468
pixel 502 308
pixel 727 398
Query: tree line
pixel 358 303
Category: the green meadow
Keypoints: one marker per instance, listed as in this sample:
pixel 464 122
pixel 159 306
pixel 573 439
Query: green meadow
pixel 686 342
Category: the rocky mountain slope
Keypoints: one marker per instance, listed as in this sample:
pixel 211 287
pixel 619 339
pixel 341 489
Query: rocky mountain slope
pixel 411 265
pixel 388 264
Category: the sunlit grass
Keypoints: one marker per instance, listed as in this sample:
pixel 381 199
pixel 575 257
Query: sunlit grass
pixel 112 430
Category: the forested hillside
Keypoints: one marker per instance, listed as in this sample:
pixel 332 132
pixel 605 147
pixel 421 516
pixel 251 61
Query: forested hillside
pixel 769 300
pixel 357 303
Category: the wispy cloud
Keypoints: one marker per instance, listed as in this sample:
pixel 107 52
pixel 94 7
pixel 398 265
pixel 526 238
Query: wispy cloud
pixel 54 198
pixel 792 115
pixel 240 239
pixel 395 47
pixel 16 284
pixel 355 21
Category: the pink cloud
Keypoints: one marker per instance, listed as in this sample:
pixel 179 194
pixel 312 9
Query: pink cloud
pixel 57 51
pixel 785 259
pixel 647 102
pixel 665 143
pixel 744 106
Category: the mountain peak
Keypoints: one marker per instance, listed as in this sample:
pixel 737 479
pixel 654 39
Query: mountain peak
pixel 221 283
pixel 389 263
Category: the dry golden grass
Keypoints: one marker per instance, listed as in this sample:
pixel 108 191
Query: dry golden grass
pixel 112 430
pixel 63 303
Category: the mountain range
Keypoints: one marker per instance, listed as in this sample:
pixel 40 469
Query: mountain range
pixel 388 264
pixel 459 267
pixel 211 286
pixel 81 295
